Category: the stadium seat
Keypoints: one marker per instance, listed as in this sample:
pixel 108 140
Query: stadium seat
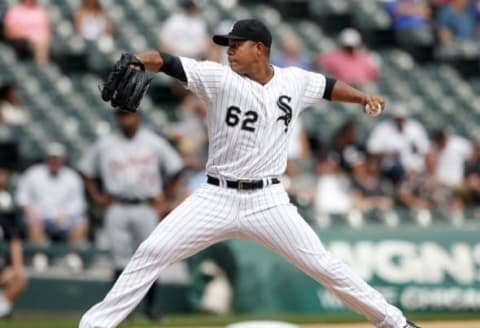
pixel 68 106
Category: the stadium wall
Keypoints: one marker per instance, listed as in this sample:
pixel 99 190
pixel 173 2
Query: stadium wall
pixel 431 270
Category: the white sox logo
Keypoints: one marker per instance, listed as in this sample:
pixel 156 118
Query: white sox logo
pixel 283 104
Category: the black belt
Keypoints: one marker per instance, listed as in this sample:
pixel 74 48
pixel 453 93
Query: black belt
pixel 242 184
pixel 131 201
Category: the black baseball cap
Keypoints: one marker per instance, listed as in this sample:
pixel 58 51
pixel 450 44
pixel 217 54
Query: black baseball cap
pixel 188 4
pixel 246 29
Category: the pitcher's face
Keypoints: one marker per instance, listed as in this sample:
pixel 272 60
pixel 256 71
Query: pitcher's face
pixel 243 54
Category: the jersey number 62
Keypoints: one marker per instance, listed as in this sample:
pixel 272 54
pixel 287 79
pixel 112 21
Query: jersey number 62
pixel 234 115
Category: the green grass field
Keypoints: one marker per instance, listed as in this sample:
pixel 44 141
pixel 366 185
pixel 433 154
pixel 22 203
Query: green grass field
pixel 170 321
pixel 187 321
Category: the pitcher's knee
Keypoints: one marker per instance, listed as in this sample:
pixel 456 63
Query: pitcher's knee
pixel 320 264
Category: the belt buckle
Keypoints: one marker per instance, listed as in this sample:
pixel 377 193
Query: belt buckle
pixel 242 184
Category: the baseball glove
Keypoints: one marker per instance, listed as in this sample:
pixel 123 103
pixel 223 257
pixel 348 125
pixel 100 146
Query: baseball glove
pixel 126 83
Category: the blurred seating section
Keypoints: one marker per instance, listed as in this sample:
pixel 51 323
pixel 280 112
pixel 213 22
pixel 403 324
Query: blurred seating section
pixel 440 86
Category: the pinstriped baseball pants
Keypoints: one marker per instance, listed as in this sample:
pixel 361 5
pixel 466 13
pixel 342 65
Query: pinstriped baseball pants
pixel 265 216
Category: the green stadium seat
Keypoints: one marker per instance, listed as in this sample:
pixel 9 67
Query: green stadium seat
pixel 66 105
pixel 331 15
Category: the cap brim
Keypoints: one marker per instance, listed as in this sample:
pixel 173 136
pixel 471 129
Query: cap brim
pixel 222 40
pixel 120 111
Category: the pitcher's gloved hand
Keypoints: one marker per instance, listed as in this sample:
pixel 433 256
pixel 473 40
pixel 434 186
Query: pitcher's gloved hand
pixel 126 83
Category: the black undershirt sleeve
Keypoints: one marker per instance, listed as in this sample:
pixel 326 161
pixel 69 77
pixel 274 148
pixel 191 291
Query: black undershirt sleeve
pixel 173 67
pixel 329 88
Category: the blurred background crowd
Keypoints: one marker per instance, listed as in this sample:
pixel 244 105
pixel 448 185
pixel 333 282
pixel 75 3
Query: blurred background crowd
pixel 419 163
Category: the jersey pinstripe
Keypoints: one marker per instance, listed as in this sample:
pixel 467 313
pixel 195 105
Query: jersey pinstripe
pixel 250 123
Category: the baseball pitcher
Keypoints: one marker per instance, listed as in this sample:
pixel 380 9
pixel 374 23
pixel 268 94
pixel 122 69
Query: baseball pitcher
pixel 252 108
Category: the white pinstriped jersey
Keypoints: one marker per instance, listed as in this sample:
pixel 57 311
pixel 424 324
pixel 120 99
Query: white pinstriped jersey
pixel 249 124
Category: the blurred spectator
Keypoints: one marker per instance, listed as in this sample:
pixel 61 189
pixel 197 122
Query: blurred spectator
pixel 185 33
pixel 193 174
pixel 189 133
pixel 402 143
pixel 457 21
pixel 345 146
pixel 476 9
pixel 472 176
pixel 291 54
pixel 299 185
pixel 139 171
pixel 451 153
pixel 415 193
pixel 422 193
pixel 351 63
pixel 9 154
pixel 27 28
pixel 298 146
pixel 333 190
pixel 410 20
pixel 11 109
pixel 12 273
pixel 91 22
pixel 11 114
pixel 52 198
pixel 449 156
pixel 191 125
pixel 371 195
pixel 436 5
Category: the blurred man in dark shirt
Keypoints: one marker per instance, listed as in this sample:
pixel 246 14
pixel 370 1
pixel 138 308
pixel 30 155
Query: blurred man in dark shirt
pixel 12 272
